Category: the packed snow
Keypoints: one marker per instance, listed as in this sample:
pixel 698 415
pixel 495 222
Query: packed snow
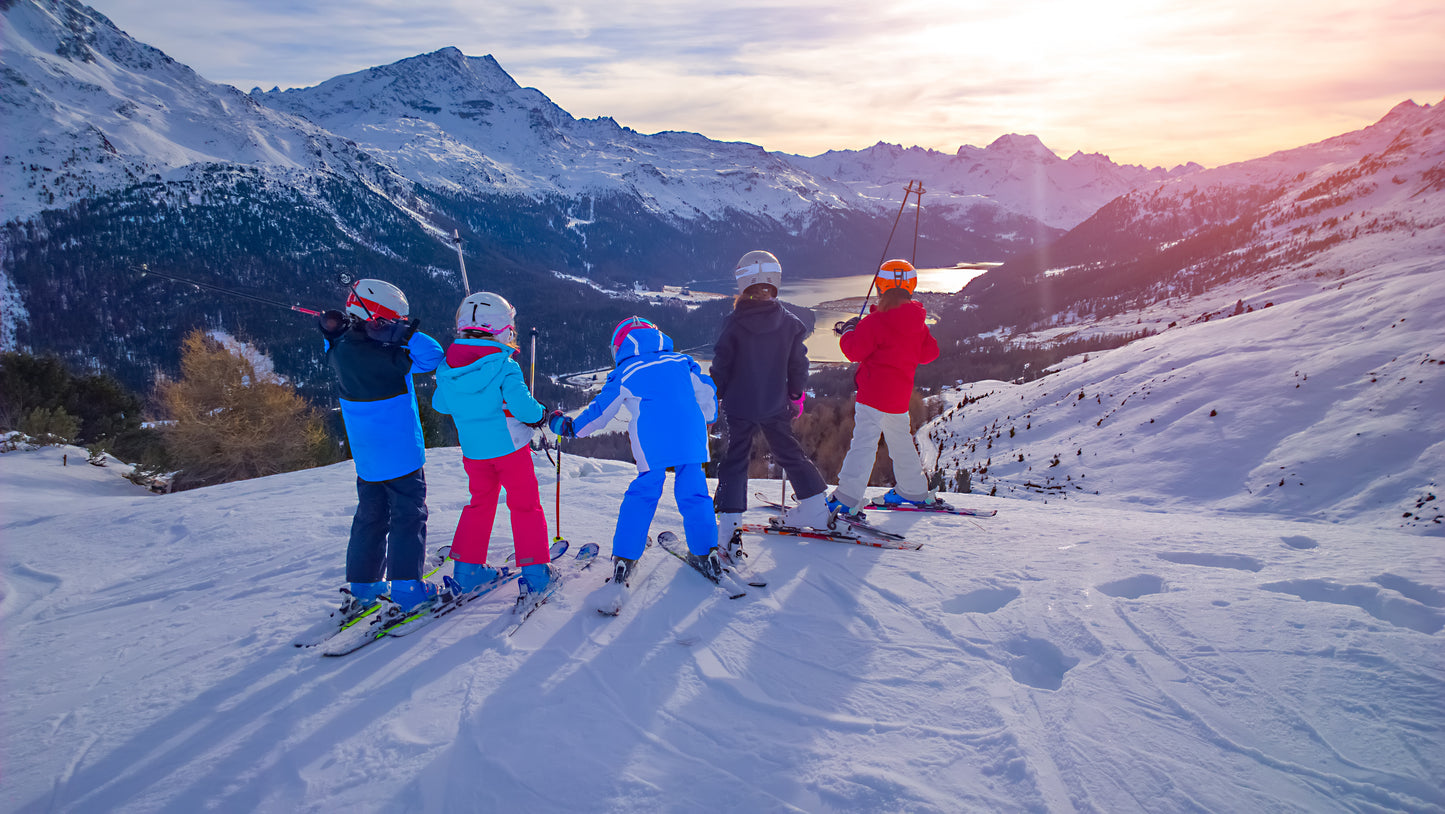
pixel 1061 656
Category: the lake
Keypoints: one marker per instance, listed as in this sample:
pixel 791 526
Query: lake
pixel 823 344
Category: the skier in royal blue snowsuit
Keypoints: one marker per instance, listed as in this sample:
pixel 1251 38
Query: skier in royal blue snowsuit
pixel 374 350
pixel 672 402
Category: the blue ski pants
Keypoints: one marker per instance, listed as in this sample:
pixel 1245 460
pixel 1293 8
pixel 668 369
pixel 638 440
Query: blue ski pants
pixel 639 505
pixel 388 533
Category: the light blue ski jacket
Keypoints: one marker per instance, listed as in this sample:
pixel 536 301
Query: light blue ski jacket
pixel 487 397
pixel 669 397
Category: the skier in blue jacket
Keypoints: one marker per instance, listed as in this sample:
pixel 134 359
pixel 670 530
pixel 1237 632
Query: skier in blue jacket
pixel 671 402
pixel 374 350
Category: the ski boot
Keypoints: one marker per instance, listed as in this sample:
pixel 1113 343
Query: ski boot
pixel 622 570
pixel 537 578
pixel 708 564
pixel 467 577
pixel 410 594
pixel 811 512
pixel 837 507
pixel 892 498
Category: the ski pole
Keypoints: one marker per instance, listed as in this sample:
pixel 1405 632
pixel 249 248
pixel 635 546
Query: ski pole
pixel 533 384
pixel 146 270
pixel 462 261
pixel 908 193
pixel 559 486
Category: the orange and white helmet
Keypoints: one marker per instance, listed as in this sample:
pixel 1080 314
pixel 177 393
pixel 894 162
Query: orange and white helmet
pixel 370 299
pixel 897 274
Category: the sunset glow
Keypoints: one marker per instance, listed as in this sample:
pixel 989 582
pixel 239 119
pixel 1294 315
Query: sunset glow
pixel 1154 82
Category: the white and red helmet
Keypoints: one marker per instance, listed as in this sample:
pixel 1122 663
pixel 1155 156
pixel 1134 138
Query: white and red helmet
pixel 372 299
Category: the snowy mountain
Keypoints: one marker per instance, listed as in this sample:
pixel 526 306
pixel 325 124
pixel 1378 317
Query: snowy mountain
pixel 88 111
pixel 1015 174
pixel 117 156
pixel 461 125
pixel 1070 656
pixel 1373 196
pixel 1297 299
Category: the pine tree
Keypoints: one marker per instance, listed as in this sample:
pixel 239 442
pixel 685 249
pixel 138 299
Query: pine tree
pixel 228 423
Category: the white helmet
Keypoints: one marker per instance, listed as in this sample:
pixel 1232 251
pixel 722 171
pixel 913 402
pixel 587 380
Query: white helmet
pixel 759 267
pixel 370 299
pixel 485 311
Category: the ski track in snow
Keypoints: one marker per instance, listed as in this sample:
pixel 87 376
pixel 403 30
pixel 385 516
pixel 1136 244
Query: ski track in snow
pixel 1060 657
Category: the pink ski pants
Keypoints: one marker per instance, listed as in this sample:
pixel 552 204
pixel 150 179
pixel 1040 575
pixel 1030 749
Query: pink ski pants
pixel 485 479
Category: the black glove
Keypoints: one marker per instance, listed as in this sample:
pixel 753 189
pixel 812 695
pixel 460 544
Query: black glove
pixel 390 331
pixel 536 425
pixel 841 328
pixel 334 323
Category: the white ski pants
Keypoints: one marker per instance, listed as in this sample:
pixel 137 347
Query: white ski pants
pixel 868 424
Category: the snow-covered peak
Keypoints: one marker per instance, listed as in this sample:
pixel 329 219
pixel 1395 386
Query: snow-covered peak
pixel 86 109
pixel 1023 146
pixel 1015 175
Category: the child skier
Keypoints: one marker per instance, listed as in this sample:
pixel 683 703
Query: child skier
pixel 374 350
pixel 760 366
pixel 481 387
pixel 671 402
pixel 889 344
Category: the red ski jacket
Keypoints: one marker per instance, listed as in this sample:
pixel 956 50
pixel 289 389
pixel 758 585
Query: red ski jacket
pixel 889 346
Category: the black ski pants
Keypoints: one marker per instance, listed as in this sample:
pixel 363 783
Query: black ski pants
pixel 732 470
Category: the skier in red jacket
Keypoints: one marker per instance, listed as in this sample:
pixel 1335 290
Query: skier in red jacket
pixel 889 344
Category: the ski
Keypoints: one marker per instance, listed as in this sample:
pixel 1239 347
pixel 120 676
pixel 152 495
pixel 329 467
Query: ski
pixel 735 557
pixel 527 604
pixel 393 621
pixel 614 596
pixel 936 507
pixel 833 536
pixel 349 615
pixel 728 584
pixel 857 521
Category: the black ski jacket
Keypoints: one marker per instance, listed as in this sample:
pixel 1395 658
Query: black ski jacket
pixel 760 363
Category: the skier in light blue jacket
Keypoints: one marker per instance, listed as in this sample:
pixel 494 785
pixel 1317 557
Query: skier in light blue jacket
pixel 671 402
pixel 481 387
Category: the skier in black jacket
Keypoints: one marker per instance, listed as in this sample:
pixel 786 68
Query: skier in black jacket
pixel 760 367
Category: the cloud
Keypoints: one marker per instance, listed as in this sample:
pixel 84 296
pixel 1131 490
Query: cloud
pixel 1144 81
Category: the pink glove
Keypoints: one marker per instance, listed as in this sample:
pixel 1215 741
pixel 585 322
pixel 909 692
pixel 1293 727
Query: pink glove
pixel 798 403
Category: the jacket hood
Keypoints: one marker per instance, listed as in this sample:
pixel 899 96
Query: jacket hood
pixel 642 340
pixel 768 315
pixel 480 374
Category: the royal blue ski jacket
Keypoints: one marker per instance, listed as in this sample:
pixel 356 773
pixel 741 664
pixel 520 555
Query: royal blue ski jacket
pixel 671 401
pixel 378 402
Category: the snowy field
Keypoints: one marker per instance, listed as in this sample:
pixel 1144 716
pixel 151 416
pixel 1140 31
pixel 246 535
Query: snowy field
pixel 1062 656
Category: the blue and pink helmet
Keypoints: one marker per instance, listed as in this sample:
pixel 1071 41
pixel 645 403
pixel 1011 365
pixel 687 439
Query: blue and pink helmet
pixel 627 326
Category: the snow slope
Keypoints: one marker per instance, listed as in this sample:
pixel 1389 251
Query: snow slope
pixel 1326 405
pixel 1068 656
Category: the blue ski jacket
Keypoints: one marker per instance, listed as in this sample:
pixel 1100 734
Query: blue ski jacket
pixel 378 401
pixel 671 401
pixel 487 397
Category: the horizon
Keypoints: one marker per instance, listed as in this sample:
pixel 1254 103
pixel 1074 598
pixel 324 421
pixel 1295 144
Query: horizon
pixel 1180 83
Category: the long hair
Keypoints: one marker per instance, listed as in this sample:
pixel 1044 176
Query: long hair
pixel 757 292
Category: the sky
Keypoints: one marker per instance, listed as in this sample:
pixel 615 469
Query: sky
pixel 1152 82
